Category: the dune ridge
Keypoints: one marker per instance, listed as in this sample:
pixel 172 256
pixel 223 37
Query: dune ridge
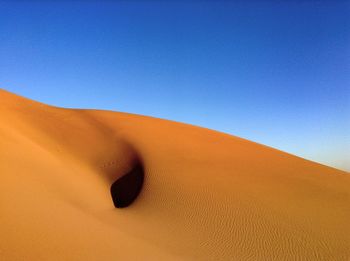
pixel 206 195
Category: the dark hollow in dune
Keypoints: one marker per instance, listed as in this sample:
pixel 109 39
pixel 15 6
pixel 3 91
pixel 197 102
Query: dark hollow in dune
pixel 126 189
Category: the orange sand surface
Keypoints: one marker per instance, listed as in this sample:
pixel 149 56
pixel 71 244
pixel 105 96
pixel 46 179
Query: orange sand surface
pixel 206 195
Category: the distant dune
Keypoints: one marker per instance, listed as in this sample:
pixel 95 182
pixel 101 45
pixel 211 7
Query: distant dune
pixel 204 195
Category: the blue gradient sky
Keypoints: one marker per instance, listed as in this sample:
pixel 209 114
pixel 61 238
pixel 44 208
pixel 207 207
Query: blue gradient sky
pixel 272 72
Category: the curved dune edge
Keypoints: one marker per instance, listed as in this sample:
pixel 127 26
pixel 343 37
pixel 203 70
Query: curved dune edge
pixel 206 195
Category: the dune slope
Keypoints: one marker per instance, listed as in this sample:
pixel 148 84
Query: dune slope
pixel 206 195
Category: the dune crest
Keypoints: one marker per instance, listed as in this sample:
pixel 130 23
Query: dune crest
pixel 205 195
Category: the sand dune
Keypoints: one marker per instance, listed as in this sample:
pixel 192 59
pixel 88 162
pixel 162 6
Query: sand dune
pixel 206 195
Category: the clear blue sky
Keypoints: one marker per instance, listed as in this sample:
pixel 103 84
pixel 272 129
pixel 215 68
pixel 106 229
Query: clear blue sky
pixel 275 72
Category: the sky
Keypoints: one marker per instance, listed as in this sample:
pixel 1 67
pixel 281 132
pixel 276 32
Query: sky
pixel 274 72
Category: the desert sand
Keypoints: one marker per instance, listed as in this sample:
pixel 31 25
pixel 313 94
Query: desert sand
pixel 206 195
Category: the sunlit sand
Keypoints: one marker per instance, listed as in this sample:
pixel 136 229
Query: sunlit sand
pixel 205 195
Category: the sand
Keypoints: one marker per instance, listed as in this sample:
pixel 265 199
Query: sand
pixel 206 195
